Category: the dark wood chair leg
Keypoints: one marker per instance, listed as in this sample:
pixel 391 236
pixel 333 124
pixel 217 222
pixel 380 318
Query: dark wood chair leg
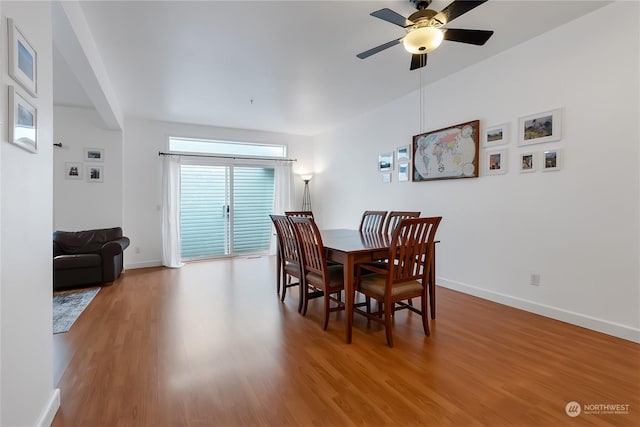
pixel 425 319
pixel 327 303
pixel 432 287
pixel 387 325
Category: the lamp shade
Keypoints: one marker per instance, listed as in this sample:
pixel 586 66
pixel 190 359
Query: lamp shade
pixel 423 40
pixel 306 177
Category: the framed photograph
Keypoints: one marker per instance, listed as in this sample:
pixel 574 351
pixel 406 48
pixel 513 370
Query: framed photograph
pixel 528 162
pixel 496 162
pixel 93 154
pixel 403 154
pixel 73 170
pixel 385 162
pixel 94 173
pixel 552 160
pixel 447 153
pixel 403 172
pixel 386 177
pixel 23 60
pixel 541 127
pixel 496 135
pixel 23 122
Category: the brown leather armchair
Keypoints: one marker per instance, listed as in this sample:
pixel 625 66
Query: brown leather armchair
pixel 87 257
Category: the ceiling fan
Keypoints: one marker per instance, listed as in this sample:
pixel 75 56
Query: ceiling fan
pixel 425 32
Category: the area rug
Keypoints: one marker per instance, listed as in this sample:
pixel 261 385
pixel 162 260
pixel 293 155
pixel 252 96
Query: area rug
pixel 68 305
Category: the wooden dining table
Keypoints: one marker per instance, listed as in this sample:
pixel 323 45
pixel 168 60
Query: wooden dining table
pixel 352 247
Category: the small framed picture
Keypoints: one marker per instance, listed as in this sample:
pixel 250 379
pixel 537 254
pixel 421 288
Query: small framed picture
pixel 541 127
pixel 94 173
pixel 496 162
pixel 403 154
pixel 73 170
pixel 23 60
pixel 403 171
pixel 496 135
pixel 93 154
pixel 527 162
pixel 23 122
pixel 552 160
pixel 386 177
pixel 385 162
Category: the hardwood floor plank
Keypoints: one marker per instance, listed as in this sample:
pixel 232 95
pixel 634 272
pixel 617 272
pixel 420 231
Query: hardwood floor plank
pixel 211 344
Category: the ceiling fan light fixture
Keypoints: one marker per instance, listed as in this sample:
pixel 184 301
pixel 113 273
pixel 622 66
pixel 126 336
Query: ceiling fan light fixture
pixel 423 40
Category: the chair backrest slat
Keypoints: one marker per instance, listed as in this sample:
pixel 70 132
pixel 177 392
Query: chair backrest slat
pixel 311 247
pixel 372 221
pixel 412 249
pixel 286 238
pixel 394 218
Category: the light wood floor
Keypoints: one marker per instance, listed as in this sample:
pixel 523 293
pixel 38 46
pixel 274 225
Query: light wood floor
pixel 211 345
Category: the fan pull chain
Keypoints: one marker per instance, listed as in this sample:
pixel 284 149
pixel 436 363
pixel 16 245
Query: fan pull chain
pixel 421 102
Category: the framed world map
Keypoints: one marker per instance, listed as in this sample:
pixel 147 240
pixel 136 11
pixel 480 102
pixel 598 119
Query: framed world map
pixel 447 153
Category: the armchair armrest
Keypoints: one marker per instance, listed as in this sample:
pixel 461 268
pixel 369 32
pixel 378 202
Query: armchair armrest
pixel 112 258
pixel 115 247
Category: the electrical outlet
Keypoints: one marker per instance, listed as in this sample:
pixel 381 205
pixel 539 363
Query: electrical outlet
pixel 535 280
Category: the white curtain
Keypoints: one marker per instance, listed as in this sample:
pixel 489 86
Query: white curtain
pixel 284 193
pixel 171 212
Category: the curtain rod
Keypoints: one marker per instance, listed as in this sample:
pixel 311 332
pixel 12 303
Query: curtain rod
pixel 161 153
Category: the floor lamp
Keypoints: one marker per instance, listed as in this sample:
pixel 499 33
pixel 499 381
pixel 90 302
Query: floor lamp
pixel 306 196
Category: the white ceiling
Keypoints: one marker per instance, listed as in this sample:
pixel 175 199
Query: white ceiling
pixel 283 66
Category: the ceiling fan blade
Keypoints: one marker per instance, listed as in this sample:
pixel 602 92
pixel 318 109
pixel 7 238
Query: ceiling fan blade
pixel 418 61
pixel 391 16
pixel 455 9
pixel 477 37
pixel 380 48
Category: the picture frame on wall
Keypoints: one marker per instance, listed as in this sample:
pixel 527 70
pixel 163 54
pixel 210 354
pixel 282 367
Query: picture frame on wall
pixel 403 154
pixel 540 128
pixel 403 172
pixel 447 153
pixel 551 160
pixel 385 162
pixel 23 59
pixel 95 173
pixel 528 162
pixel 496 135
pixel 23 122
pixel 93 155
pixel 496 162
pixel 73 170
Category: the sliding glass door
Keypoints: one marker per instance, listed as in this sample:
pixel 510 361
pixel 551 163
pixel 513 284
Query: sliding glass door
pixel 225 210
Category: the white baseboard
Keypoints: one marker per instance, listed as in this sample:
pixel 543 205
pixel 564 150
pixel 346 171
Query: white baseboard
pixel 145 264
pixel 49 412
pixel 578 319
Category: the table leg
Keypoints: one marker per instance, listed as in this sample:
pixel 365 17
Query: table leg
pixel 348 272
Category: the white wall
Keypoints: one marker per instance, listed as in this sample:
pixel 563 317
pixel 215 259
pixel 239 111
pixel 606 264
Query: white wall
pixel 578 228
pixel 143 139
pixel 27 397
pixel 80 204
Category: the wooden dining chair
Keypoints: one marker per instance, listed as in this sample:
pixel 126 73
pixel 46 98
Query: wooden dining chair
pixel 408 277
pixel 289 254
pixel 318 275
pixel 372 221
pixel 305 214
pixel 393 219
